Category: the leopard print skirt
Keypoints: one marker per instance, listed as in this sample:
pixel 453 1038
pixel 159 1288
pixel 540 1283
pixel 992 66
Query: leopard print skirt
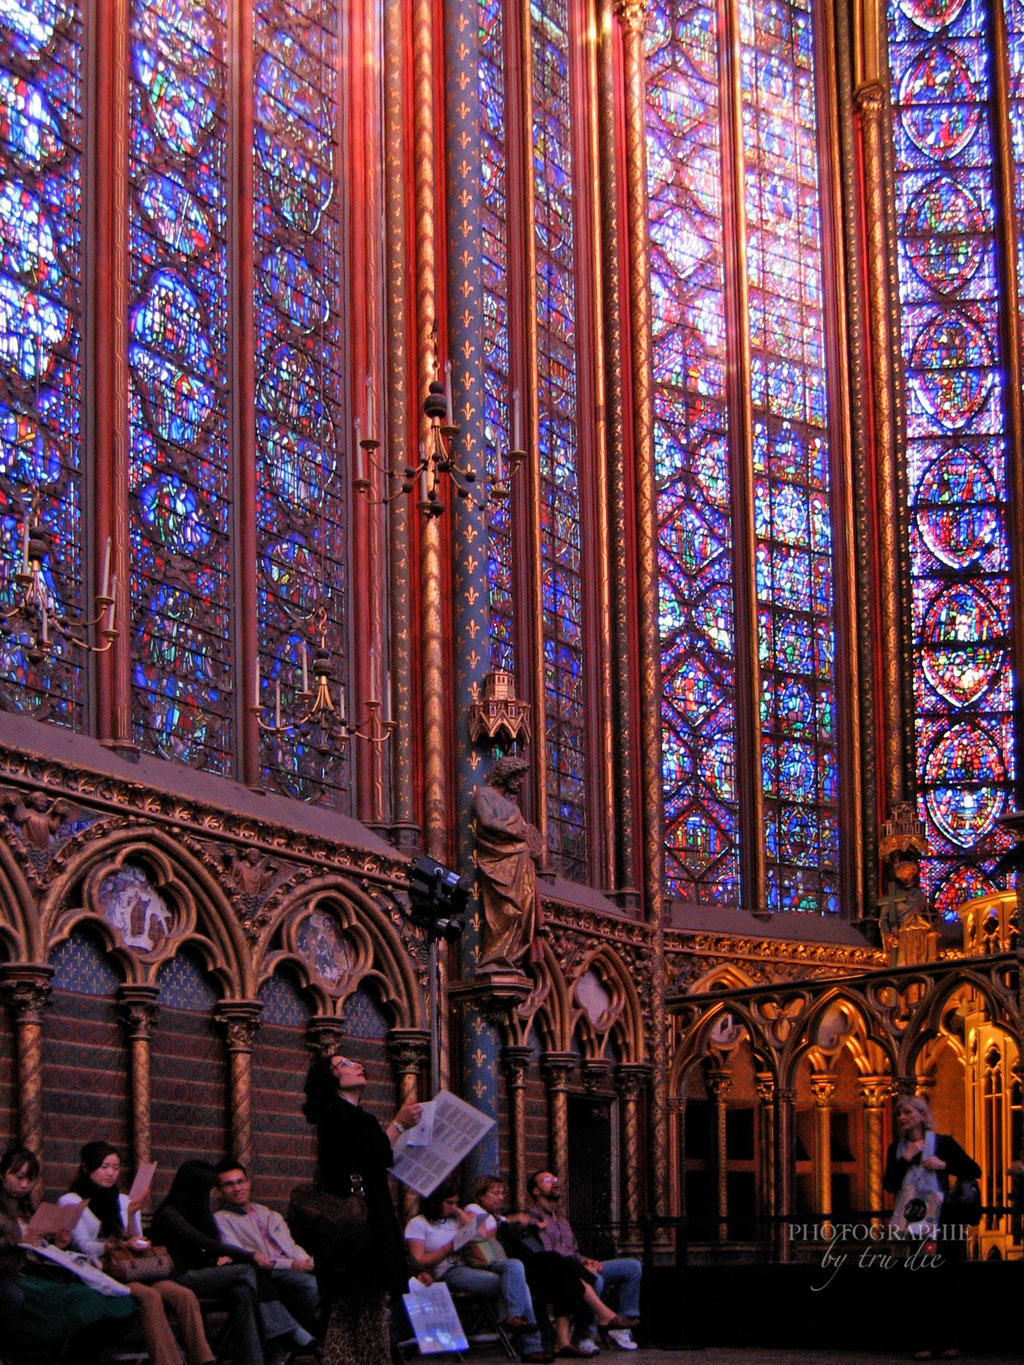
pixel 357 1331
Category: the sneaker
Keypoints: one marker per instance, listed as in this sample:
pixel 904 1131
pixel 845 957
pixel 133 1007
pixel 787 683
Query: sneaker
pixel 588 1346
pixel 622 1338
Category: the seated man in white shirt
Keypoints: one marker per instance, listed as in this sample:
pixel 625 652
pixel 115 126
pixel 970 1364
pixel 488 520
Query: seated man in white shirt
pixel 265 1233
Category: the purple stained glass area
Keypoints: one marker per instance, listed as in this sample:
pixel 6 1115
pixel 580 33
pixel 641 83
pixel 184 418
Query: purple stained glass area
pixel 300 508
pixel 179 483
pixel 939 55
pixel 695 563
pixel 41 75
pixel 561 525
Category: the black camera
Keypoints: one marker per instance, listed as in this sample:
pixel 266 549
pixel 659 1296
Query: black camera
pixel 437 899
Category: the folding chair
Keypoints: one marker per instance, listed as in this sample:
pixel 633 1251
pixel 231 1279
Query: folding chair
pixel 481 1324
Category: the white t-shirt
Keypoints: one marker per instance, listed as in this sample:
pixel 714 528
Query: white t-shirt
pixel 434 1236
pixel 487 1224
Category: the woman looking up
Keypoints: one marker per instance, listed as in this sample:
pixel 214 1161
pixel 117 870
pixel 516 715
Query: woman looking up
pixel 351 1143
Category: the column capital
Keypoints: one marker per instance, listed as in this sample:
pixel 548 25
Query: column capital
pixel 764 1083
pixel 516 1058
pixel 631 1078
pixel 409 1050
pixel 823 1088
pixel 632 15
pixel 875 1090
pixel 324 1034
pixel 138 1009
pixel 26 988
pixel 557 1068
pixel 719 1082
pixel 870 100
pixel 240 1019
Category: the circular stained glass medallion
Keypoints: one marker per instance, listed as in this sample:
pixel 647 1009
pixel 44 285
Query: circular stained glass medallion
pixel 957 507
pixel 962 644
pixel 963 773
pixel 953 359
pixel 932 15
pixel 941 230
pixel 940 111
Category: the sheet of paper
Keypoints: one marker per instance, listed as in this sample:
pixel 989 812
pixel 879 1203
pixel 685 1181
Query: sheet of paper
pixel 434 1319
pixel 142 1182
pixel 423 1133
pixel 456 1128
pixel 51 1219
pixel 466 1233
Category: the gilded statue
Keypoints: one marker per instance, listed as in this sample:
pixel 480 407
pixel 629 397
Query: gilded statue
pixel 508 852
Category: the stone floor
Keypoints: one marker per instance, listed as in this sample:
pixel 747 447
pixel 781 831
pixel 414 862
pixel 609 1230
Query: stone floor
pixel 751 1356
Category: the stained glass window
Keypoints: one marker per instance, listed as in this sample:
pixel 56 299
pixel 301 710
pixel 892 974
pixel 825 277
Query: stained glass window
pixel 562 596
pixel 494 225
pixel 180 588
pixel 40 335
pixel 695 559
pixel 956 447
pixel 792 482
pixel 696 460
pixel 300 508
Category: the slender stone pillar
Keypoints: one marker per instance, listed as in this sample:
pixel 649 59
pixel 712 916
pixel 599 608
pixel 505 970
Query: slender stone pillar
pixel 409 1051
pixel 785 1103
pixel 138 1010
pixel 823 1088
pixel 766 1146
pixel 874 1091
pixel 516 1061
pixel 719 1083
pixel 557 1068
pixel 27 992
pixel 240 1020
pixel 630 1082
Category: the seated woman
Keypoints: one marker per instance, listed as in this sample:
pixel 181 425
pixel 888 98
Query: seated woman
pixel 184 1224
pixel 555 1281
pixel 37 1301
pixel 109 1218
pixel 430 1240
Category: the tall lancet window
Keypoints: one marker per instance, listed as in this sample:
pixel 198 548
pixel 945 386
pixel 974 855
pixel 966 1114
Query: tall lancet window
pixel 41 217
pixel 956 257
pixel 512 246
pixel 179 431
pixel 741 339
pixel 300 509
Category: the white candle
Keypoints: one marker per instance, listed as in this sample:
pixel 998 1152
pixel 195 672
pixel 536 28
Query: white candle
pixel 277 704
pixel 499 469
pixel 113 603
pixel 45 616
pixel 517 421
pixel 24 546
pixel 374 673
pixel 305 669
pixel 360 459
pixel 341 703
pixel 369 407
pixel 423 484
pixel 448 393
pixel 105 589
pixel 387 698
pixel 256 692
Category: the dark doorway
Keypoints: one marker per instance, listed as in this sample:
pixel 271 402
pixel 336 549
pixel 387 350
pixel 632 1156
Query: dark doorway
pixel 590 1173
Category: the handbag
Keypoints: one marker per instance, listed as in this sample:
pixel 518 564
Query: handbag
pixel 963 1204
pixel 484 1253
pixel 137 1265
pixel 919 1199
pixel 331 1225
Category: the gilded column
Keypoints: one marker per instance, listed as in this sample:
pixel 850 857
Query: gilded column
pixel 871 105
pixel 557 1068
pixel 106 333
pixel 470 613
pixel 240 1020
pixel 677 1157
pixel 823 1088
pixel 27 992
pixel 785 1103
pixel 516 1060
pixel 432 681
pixel 398 444
pixel 630 1081
pixel 874 1091
pixel 719 1083
pixel 409 1051
pixel 625 878
pixel 766 1145
pixel 138 1010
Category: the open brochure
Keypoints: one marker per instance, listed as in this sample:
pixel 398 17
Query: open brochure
pixel 50 1220
pixel 81 1267
pixel 142 1182
pixel 448 1130
pixel 434 1319
pixel 466 1233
